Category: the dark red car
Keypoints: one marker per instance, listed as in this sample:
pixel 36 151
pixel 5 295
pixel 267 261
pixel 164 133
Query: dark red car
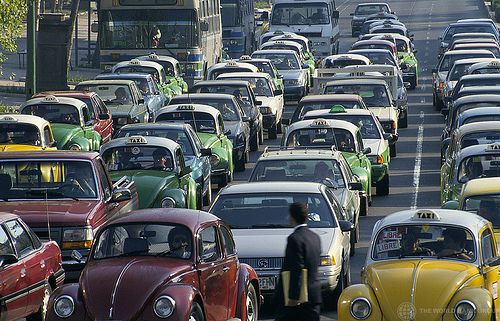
pixel 70 192
pixel 29 270
pixel 101 116
pixel 161 264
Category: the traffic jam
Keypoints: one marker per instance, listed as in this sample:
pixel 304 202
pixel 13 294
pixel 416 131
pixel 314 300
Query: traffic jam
pixel 144 195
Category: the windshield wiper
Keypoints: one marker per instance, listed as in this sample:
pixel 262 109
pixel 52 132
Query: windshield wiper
pixel 270 226
pixel 50 193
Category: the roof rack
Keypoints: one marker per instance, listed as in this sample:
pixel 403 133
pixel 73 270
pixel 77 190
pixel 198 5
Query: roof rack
pixel 331 149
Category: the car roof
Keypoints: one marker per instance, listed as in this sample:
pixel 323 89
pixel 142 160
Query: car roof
pixel 147 141
pixel 478 44
pixel 232 64
pixel 474 128
pixel 470 52
pixel 189 218
pixel 274 51
pixel 137 62
pixel 20 118
pixel 469 23
pixel 371 50
pixel 388 26
pixel 480 89
pixel 446 217
pixel 221 82
pixel 472 34
pixel 77 103
pixel 244 74
pixel 4 217
pixel 272 187
pixel 485 64
pixel 78 94
pixel 291 35
pixel 374 41
pixel 476 99
pixel 481 149
pixel 197 107
pixel 106 82
pixel 49 154
pixel 264 60
pixel 329 123
pixel 480 111
pixel 322 112
pixel 372 4
pixel 164 125
pixel 197 96
pixel 299 153
pixel 348 56
pixel 479 76
pixel 481 186
pixel 355 81
pixel 128 75
pixel 153 57
pixel 473 60
pixel 281 42
pixel 330 97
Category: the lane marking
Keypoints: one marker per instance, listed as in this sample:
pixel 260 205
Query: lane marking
pixel 418 161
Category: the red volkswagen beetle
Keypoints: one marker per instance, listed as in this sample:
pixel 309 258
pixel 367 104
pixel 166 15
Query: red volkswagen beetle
pixel 161 264
pixel 29 270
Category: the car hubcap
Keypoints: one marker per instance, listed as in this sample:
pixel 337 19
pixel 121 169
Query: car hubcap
pixel 250 308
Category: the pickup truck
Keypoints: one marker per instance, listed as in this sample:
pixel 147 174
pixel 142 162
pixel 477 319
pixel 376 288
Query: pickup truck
pixel 63 196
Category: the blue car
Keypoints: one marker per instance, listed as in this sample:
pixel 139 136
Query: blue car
pixel 197 157
pixel 154 99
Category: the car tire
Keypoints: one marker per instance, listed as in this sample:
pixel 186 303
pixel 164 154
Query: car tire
pixel 272 132
pixel 344 280
pixel 224 181
pixel 252 304
pixel 240 163
pixel 383 186
pixel 196 313
pixel 414 82
pixel 207 199
pixel 392 150
pixel 42 311
pixel 353 242
pixel 254 141
pixel 403 122
pixel 261 136
pixel 363 206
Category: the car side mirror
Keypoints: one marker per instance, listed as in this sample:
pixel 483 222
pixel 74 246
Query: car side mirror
pixel 335 14
pixel 277 92
pixel 246 119
pixel 407 84
pixel 120 195
pixel 450 205
pixel 204 26
pixel 390 137
pixel 367 150
pixel 258 103
pixel 227 132
pixel 286 121
pixel 7 259
pixel 493 261
pixel 346 226
pixel 206 152
pixel 186 170
pixel 392 12
pixel 77 256
pixel 355 186
pixel 103 116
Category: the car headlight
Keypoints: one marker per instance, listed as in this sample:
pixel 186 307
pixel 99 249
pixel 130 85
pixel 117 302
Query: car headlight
pixel 164 307
pixel 168 202
pixel 64 306
pixel 465 310
pixel 75 147
pixel 78 238
pixel 360 308
pixel 327 260
pixel 214 160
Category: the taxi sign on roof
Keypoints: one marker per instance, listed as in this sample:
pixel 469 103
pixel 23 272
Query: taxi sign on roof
pixel 8 118
pixel 337 109
pixel 185 107
pixel 231 63
pixel 135 62
pixel 426 215
pixel 320 122
pixel 50 99
pixel 279 42
pixel 153 56
pixel 245 57
pixel 288 36
pixel 493 147
pixel 495 64
pixel 137 140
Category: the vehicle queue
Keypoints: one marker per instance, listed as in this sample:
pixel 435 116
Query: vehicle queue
pixel 138 138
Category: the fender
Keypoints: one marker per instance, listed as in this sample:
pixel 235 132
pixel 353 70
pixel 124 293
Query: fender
pixel 364 178
pixel 177 194
pixel 191 194
pixel 353 292
pixel 225 157
pixel 481 298
pixel 96 140
pixel 81 141
pixel 246 275
pixel 72 290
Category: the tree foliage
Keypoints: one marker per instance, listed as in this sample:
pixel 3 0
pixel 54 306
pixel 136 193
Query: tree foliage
pixel 12 20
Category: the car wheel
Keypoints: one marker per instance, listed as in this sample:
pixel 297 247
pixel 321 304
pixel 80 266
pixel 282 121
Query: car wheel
pixel 392 150
pixel 207 199
pixel 42 311
pixel 252 304
pixel 254 142
pixel 383 186
pixel 414 82
pixel 363 206
pixel 240 163
pixel 196 313
pixel 272 133
pixel 403 122
pixel 224 181
pixel 353 242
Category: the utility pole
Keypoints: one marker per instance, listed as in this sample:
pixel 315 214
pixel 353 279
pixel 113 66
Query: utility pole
pixel 30 85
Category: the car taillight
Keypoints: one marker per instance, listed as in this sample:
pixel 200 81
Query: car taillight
pixel 441 85
pixel 380 159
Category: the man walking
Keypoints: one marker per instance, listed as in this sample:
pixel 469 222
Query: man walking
pixel 303 251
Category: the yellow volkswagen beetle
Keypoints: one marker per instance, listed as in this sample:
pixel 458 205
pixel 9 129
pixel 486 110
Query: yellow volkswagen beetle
pixel 427 265
pixel 25 132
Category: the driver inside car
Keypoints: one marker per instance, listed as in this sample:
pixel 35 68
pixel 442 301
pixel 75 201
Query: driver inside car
pixel 179 243
pixel 410 246
pixel 454 244
pixel 79 183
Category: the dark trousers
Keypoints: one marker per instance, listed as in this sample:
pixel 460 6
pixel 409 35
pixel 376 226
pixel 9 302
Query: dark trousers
pixel 302 312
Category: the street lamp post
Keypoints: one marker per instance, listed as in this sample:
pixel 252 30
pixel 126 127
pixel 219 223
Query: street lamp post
pixel 30 85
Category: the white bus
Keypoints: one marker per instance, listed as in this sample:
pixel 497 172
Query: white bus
pixel 238 27
pixel 188 30
pixel 317 20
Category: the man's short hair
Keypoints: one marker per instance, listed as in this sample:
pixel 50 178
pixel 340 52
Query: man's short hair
pixel 299 212
pixel 457 235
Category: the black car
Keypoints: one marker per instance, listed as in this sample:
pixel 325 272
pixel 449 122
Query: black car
pixel 249 103
pixel 236 121
pixel 365 27
pixel 363 11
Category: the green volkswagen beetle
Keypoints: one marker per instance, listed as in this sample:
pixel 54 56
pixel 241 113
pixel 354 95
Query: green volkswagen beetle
pixel 157 167
pixel 172 70
pixel 70 119
pixel 407 60
pixel 341 135
pixel 209 125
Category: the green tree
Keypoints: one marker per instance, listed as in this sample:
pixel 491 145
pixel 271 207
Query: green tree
pixel 12 20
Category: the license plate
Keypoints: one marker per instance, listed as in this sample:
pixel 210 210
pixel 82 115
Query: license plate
pixel 267 283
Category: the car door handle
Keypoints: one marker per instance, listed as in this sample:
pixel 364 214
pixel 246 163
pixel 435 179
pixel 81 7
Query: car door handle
pixel 225 269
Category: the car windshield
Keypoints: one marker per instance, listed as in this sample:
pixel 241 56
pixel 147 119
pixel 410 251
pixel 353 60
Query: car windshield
pixel 326 105
pixel 39 180
pixel 401 45
pixel 235 90
pixel 54 113
pixel 385 30
pixel 432 241
pixel 373 95
pixel 479 166
pixel 487 206
pixel 226 107
pixel 340 63
pixel 176 135
pixel 342 139
pixel 489 137
pixel 109 93
pixel 144 239
pixel 489 70
pixel 139 70
pixel 200 121
pixel 123 158
pixel 300 13
pixel 260 86
pixel 18 133
pixel 282 61
pixel 486 28
pixel 480 119
pixel 371 46
pixel 448 60
pixel 227 70
pixel 369 10
pixel 366 123
pixel 299 170
pixel 263 67
pixel 464 107
pixel 270 210
pixel 380 58
pixel 457 71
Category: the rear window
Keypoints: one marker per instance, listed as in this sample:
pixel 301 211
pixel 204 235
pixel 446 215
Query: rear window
pixel 201 122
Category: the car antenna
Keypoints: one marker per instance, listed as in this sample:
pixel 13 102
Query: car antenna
pixel 47 212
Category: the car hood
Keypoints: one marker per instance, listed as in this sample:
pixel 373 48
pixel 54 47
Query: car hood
pixel 374 144
pixel 19 147
pixel 434 282
pixel 103 279
pixel 209 140
pixel 149 183
pixel 383 113
pixel 272 242
pixel 63 133
pixel 292 74
pixel 60 212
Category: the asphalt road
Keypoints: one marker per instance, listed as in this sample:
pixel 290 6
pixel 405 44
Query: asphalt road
pixel 414 174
